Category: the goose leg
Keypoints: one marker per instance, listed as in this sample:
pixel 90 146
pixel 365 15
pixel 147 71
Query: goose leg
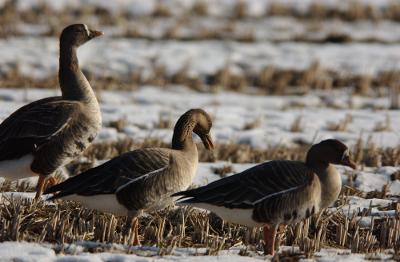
pixel 51 181
pixel 132 224
pixel 40 187
pixel 269 239
pixel 136 240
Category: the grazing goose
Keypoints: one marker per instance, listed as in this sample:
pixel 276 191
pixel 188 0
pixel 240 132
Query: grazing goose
pixel 41 136
pixel 275 192
pixel 143 179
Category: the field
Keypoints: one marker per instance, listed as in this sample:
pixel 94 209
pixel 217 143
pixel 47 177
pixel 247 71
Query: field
pixel 276 77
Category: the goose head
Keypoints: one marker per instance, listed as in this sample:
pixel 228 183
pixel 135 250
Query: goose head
pixel 203 127
pixel 194 120
pixel 330 151
pixel 77 34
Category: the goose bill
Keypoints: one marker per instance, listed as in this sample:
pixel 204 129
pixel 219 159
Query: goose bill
pixel 94 33
pixel 207 141
pixel 346 161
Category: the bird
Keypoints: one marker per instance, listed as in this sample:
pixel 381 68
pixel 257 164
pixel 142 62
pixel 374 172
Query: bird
pixel 43 135
pixel 141 180
pixel 275 192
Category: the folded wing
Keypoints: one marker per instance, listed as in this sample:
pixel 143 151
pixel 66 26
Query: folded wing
pixel 115 176
pixel 264 182
pixel 31 126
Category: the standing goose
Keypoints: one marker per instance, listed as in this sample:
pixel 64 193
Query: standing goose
pixel 143 179
pixel 41 136
pixel 276 192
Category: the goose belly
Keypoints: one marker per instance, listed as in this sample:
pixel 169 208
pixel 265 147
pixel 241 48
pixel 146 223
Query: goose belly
pixel 233 215
pixel 62 154
pixel 162 203
pixel 297 215
pixel 104 203
pixel 17 168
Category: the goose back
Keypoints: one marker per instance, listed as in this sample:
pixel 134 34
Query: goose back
pixel 142 179
pixel 270 190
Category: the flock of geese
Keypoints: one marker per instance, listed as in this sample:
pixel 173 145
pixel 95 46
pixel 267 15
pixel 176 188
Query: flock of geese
pixel 46 134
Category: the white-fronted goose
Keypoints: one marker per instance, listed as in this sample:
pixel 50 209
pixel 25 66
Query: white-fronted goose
pixel 275 192
pixel 41 136
pixel 143 179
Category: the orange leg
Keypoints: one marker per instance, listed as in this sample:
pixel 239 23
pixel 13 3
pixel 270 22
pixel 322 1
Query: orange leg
pixel 132 225
pixel 269 239
pixel 51 181
pixel 40 187
pixel 136 240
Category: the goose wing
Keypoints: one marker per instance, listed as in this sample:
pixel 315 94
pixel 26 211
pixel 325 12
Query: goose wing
pixel 31 126
pixel 122 175
pixel 264 183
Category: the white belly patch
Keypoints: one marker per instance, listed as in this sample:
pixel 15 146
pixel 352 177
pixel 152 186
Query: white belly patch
pixel 234 215
pixel 105 203
pixel 17 168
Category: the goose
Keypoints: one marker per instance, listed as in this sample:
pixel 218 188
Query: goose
pixel 275 192
pixel 141 180
pixel 44 135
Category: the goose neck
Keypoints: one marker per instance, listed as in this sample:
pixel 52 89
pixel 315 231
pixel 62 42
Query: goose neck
pixel 182 138
pixel 331 184
pixel 73 83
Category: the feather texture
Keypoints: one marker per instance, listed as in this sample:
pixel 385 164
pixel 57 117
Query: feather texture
pixel 51 129
pixel 272 189
pixel 139 178
pixel 144 179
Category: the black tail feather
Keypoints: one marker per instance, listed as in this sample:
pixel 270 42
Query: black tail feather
pixel 72 183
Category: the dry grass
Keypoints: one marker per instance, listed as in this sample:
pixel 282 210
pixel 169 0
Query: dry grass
pixel 224 170
pixel 342 126
pixel 256 123
pixel 67 222
pixel 383 125
pixel 200 8
pixel 131 26
pixel 355 11
pixel 364 152
pixel 118 124
pixel 269 80
pixel 316 11
pixel 394 96
pixel 297 125
pixel 164 121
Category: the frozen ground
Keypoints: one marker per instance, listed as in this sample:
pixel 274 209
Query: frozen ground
pixel 11 251
pixel 255 8
pixel 38 57
pixel 231 112
pixel 255 120
pixel 276 29
pixel 271 117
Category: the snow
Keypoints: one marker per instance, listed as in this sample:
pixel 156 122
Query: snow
pixel 255 8
pixel 272 29
pixel 23 251
pixel 38 57
pixel 374 48
pixel 15 251
pixel 231 111
pixel 274 115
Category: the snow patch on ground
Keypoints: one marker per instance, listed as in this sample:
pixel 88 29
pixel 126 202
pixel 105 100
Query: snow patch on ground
pixel 38 57
pixel 273 116
pixel 254 8
pixel 23 251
